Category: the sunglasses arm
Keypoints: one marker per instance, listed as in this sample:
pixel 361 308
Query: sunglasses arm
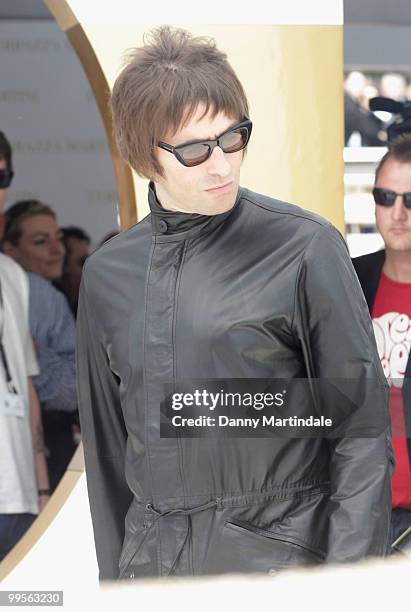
pixel 165 146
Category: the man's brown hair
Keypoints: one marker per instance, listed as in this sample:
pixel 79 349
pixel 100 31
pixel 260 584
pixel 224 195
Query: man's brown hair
pixel 160 88
pixel 399 150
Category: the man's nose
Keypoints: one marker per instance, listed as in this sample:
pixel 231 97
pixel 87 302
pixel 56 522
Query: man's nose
pixel 218 163
pixel 398 211
pixel 58 247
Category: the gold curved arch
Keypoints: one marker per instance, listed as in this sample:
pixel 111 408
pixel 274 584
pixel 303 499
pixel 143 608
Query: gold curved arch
pixel 66 19
pixel 49 513
pixel 74 31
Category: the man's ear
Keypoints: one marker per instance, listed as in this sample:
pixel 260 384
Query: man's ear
pixel 155 177
pixel 8 248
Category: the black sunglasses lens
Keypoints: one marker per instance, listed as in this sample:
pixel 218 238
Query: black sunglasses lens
pixel 5 178
pixel 231 142
pixel 195 154
pixel 235 140
pixel 384 197
pixel 406 198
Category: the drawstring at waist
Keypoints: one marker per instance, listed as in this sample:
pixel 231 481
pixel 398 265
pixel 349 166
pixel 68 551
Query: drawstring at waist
pixel 187 512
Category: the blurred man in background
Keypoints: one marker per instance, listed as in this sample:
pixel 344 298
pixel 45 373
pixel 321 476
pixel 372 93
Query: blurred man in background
pixel 385 277
pixel 77 244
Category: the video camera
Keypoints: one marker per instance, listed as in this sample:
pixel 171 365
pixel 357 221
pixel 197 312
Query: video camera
pixel 401 122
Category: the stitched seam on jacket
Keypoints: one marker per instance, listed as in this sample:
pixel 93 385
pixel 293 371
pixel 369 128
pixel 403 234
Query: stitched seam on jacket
pixel 321 222
pixel 93 323
pixel 279 496
pixel 314 237
pixel 293 487
pixel 308 488
pixel 146 289
pixel 153 246
pixel 175 302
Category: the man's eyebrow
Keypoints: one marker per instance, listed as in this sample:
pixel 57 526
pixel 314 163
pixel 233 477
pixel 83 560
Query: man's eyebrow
pixel 193 140
pixel 59 234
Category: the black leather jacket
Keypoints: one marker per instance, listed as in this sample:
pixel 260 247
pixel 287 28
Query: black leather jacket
pixel 264 290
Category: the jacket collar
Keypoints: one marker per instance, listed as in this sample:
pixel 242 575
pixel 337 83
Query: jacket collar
pixel 171 225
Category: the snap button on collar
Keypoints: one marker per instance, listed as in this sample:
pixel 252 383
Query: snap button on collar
pixel 162 226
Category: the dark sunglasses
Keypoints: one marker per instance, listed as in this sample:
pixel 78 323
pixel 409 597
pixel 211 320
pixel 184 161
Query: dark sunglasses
pixel 387 197
pixel 198 151
pixel 6 176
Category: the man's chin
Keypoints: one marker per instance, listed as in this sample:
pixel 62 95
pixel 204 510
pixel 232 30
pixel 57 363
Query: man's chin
pixel 220 204
pixel 219 209
pixel 399 244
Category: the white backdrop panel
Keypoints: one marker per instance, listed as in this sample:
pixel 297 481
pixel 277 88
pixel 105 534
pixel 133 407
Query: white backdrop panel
pixel 49 114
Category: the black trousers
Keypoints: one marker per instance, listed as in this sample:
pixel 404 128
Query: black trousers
pixel 400 521
pixel 58 439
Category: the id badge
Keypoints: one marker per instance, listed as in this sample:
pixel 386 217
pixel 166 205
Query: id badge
pixel 12 404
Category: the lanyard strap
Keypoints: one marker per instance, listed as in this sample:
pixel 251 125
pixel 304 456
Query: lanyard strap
pixel 3 355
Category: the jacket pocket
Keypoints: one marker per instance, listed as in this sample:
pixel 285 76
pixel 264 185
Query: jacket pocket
pixel 240 547
pixel 317 555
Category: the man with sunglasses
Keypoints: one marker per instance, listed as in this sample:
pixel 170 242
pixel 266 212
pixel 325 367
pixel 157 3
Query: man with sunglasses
pixel 218 283
pixel 385 277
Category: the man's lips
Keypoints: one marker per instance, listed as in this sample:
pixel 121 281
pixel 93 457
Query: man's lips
pixel 398 230
pixel 220 187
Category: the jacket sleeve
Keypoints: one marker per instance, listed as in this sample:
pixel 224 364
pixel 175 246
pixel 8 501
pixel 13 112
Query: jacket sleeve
pixel 104 438
pixel 338 342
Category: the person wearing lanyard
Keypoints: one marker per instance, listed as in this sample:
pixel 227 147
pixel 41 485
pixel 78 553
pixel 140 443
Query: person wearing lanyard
pixel 33 239
pixel 24 484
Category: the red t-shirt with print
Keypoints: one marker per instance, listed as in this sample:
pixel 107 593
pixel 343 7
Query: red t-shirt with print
pixel 392 327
